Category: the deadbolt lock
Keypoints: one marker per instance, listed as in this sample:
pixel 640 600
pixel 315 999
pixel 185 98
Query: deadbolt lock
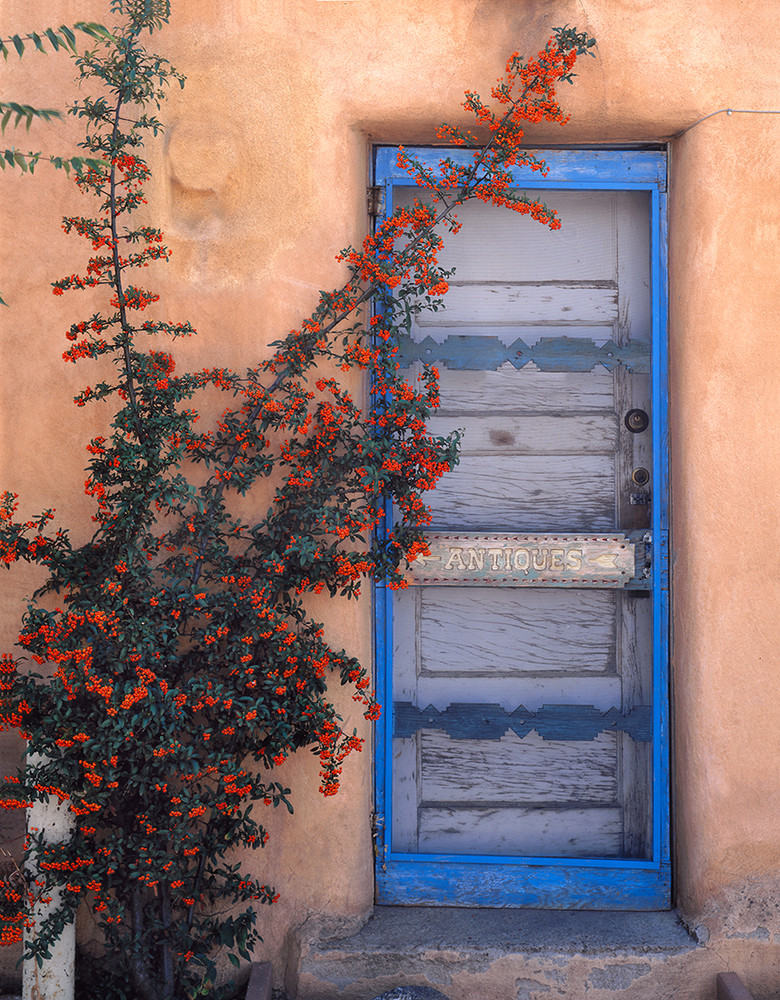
pixel 640 477
pixel 637 421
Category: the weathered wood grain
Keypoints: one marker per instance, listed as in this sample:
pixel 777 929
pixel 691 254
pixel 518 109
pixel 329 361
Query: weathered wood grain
pixel 564 833
pixel 635 760
pixel 509 390
pixel 405 792
pixel 511 770
pixel 406 631
pixel 473 630
pixel 542 434
pixel 526 493
pixel 492 305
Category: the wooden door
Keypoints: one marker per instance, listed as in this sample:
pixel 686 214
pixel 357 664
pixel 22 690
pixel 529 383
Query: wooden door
pixel 523 674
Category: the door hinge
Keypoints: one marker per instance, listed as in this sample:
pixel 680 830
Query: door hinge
pixel 375 200
pixel 656 562
pixel 378 837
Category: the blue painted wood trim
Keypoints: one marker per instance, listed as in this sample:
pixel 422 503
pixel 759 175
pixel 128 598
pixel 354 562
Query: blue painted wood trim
pixel 486 721
pixel 549 354
pixel 554 882
pixel 586 168
pixel 475 883
pixel 661 518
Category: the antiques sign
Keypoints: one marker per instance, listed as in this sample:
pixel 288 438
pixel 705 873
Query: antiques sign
pixel 504 560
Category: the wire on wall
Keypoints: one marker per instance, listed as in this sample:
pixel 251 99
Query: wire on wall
pixel 723 111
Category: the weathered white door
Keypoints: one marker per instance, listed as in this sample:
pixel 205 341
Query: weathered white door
pixel 522 653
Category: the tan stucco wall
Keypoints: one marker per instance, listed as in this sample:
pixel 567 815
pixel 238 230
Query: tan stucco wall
pixel 261 178
pixel 725 317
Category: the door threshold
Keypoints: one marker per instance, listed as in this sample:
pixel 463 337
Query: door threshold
pixel 498 953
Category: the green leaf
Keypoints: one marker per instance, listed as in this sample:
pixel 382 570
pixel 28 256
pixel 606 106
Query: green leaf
pixel 18 44
pixel 6 118
pixel 3 49
pixel 234 959
pixel 2 301
pixel 70 38
pixel 95 30
pixel 36 38
pixel 53 38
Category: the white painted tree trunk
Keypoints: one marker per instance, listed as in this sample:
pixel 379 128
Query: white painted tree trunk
pixel 55 979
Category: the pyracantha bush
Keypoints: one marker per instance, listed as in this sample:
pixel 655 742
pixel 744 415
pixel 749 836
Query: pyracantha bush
pixel 180 662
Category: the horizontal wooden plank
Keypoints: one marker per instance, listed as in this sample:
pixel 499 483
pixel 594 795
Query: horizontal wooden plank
pixel 564 833
pixel 490 305
pixel 472 630
pixel 591 168
pixel 509 390
pixel 575 886
pixel 540 434
pixel 528 493
pixel 511 770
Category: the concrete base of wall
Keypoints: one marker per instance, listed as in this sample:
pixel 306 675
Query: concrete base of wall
pixel 511 955
pixel 259 986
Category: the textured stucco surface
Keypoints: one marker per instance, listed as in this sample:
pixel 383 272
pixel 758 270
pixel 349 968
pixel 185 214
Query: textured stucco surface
pixel 260 179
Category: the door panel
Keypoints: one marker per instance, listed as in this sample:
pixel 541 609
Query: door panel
pixel 524 716
pixel 512 633
pixel 574 833
pixel 539 492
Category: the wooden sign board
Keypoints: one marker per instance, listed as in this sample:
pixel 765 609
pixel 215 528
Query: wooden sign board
pixel 521 560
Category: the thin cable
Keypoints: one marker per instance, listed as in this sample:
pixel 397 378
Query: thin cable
pixel 727 111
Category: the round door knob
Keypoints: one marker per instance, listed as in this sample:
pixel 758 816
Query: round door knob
pixel 640 477
pixel 637 421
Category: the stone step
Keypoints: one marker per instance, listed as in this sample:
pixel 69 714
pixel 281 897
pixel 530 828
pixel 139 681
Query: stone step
pixel 475 954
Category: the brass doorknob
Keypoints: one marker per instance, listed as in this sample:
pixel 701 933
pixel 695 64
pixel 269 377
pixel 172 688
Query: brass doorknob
pixel 637 421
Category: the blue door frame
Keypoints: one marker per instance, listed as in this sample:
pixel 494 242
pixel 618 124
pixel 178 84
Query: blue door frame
pixel 441 879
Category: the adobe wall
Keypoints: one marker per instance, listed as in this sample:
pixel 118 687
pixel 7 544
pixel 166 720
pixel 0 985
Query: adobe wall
pixel 260 179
